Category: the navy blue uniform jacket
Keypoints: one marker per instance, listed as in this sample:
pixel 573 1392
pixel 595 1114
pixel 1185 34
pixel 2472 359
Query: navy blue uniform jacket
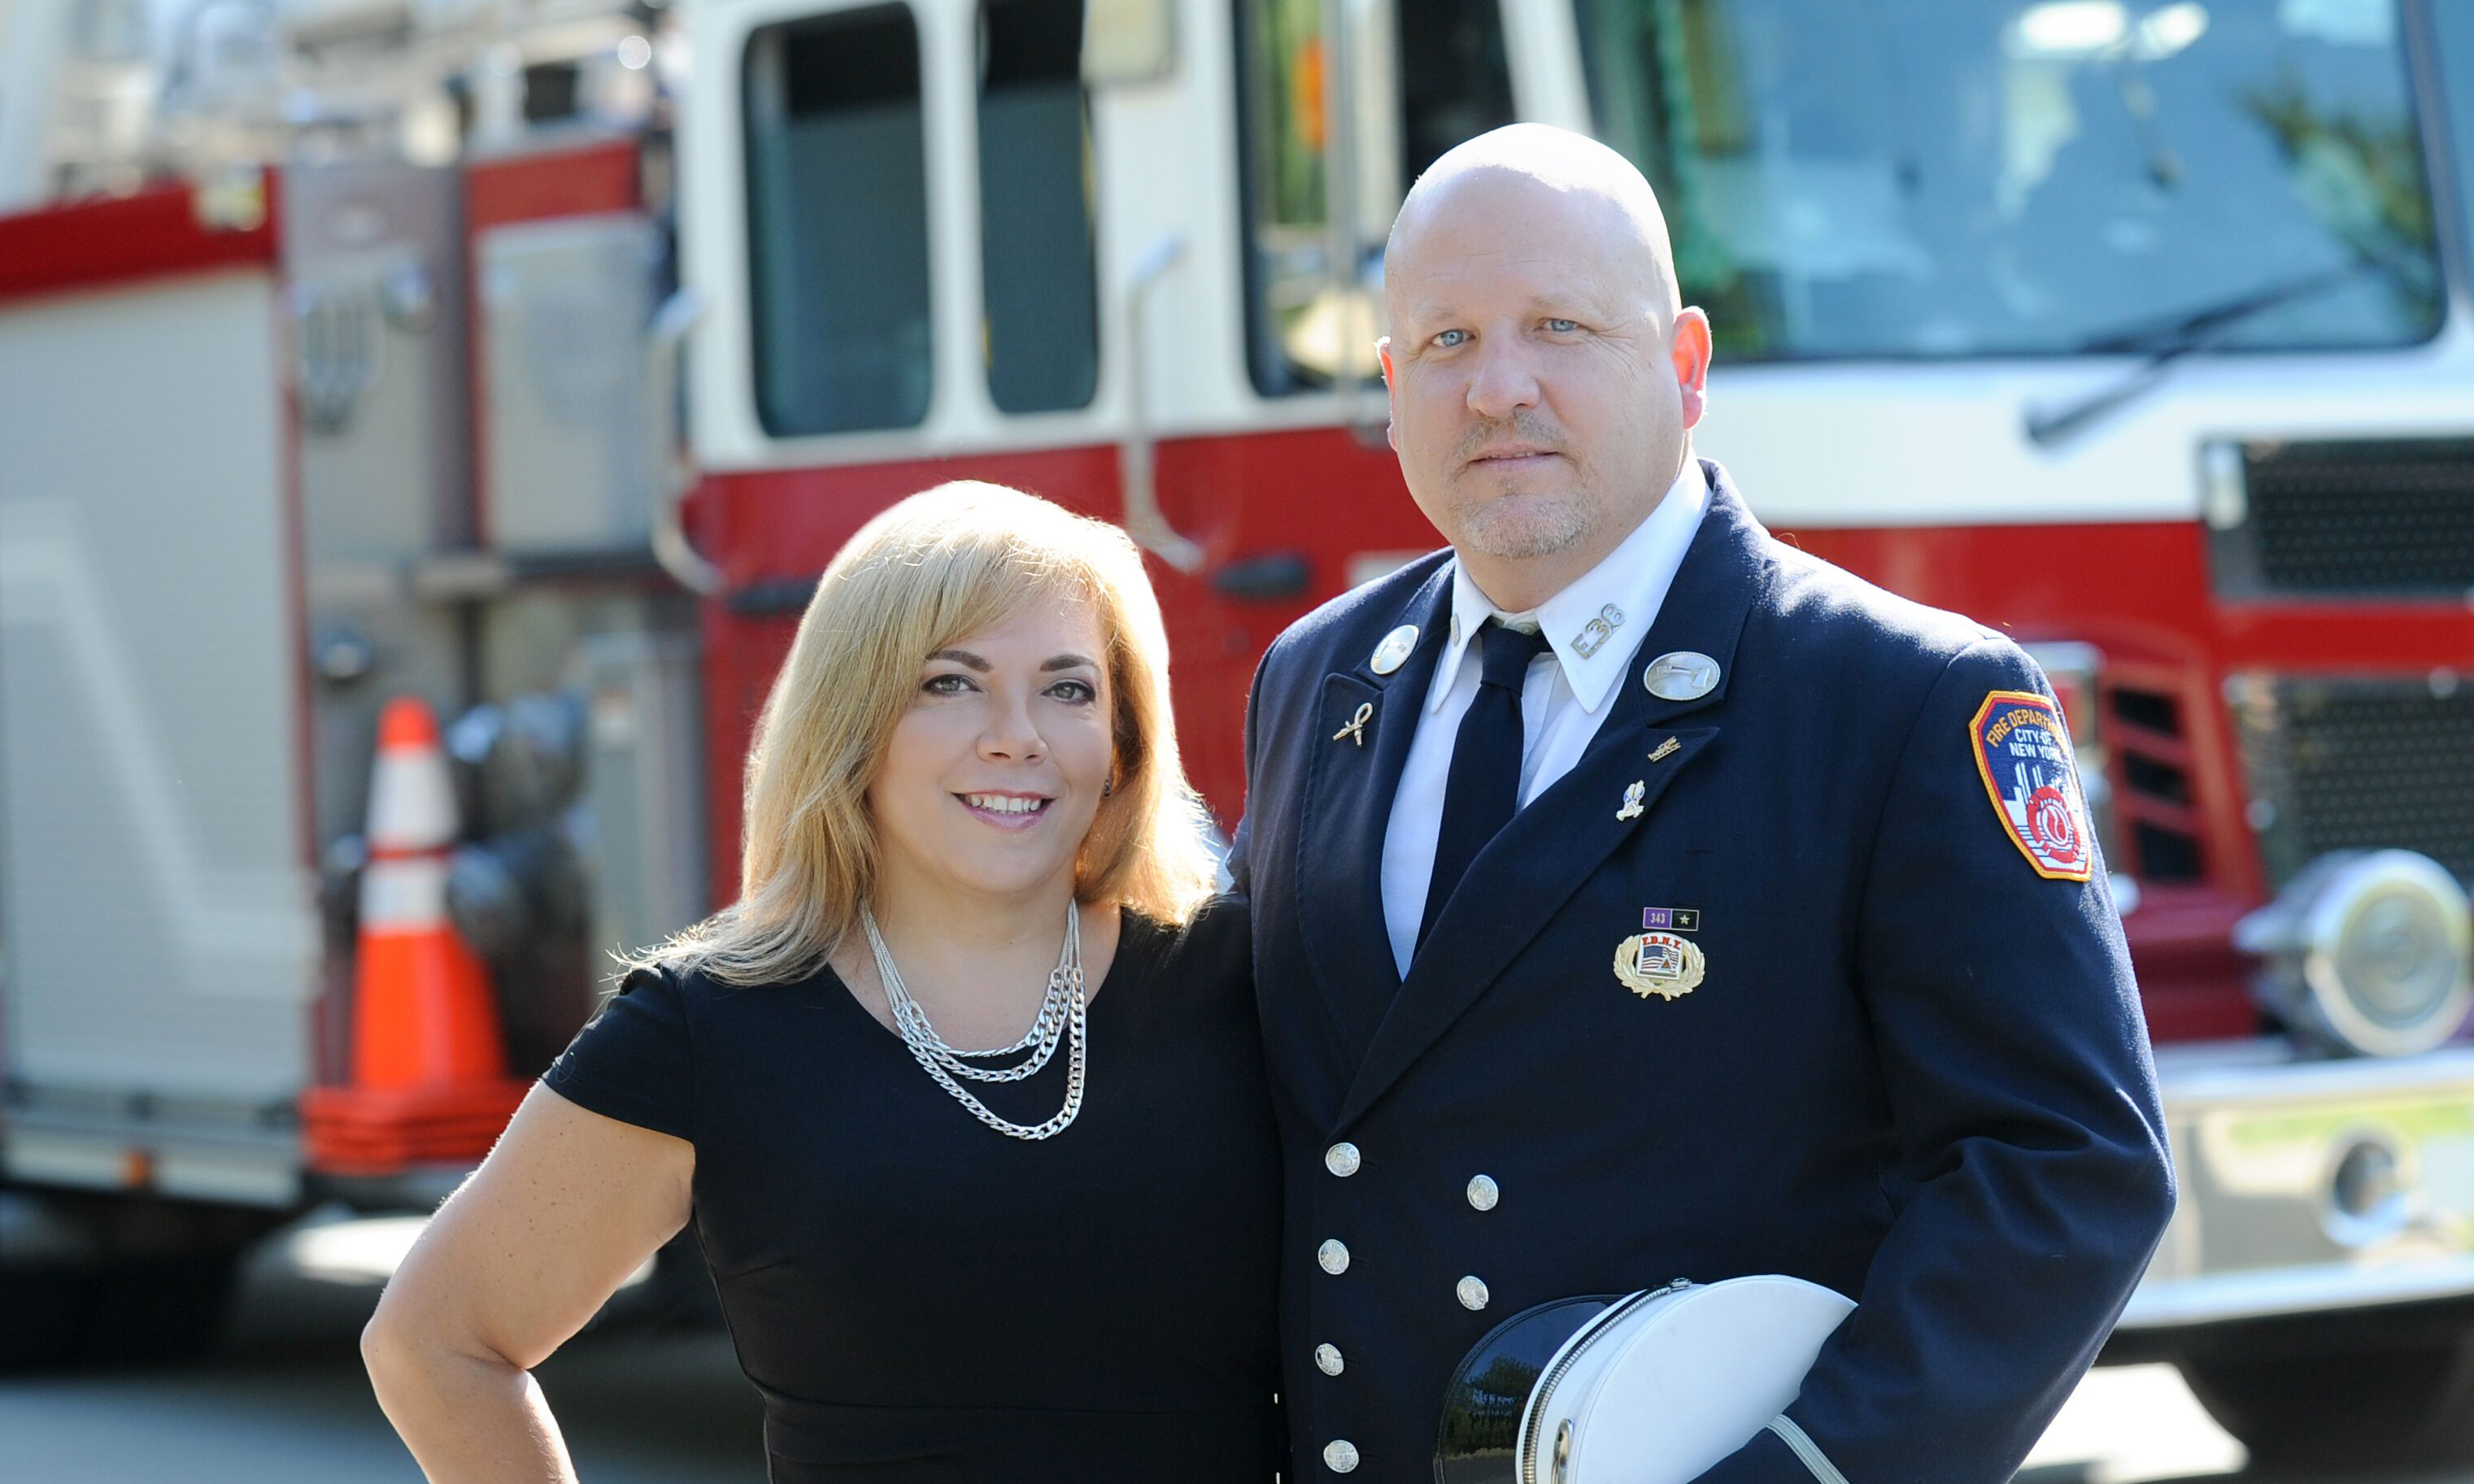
pixel 1916 1070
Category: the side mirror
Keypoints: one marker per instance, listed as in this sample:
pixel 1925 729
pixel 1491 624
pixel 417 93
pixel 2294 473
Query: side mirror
pixel 1128 41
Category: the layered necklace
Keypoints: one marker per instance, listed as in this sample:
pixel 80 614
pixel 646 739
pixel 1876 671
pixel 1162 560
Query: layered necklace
pixel 1061 1018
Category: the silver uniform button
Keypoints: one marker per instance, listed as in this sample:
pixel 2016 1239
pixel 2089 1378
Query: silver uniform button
pixel 1327 1359
pixel 1340 1455
pixel 1472 1293
pixel 1333 1256
pixel 1483 1192
pixel 1342 1160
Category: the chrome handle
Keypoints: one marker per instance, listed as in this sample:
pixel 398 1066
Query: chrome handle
pixel 665 336
pixel 1136 459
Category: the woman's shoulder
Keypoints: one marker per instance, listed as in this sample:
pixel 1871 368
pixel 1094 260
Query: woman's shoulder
pixel 1217 943
pixel 683 988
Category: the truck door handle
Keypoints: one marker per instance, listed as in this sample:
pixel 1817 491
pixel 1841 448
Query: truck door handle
pixel 1144 519
pixel 1272 574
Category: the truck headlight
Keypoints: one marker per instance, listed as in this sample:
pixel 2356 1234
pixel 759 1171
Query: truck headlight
pixel 2370 953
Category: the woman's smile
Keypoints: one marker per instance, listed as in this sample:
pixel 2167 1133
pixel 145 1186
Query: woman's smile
pixel 1006 809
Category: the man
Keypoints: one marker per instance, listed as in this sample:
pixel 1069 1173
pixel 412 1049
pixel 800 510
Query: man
pixel 1635 897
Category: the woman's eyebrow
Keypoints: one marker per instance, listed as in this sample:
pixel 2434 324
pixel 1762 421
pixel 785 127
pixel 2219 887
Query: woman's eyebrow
pixel 1070 662
pixel 964 657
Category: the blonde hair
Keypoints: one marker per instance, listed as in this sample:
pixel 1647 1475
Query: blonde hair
pixel 942 565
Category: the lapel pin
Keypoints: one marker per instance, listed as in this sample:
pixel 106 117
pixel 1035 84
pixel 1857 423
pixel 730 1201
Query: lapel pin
pixel 1594 634
pixel 1394 651
pixel 1660 963
pixel 1664 750
pixel 1632 801
pixel 1356 731
pixel 1681 676
pixel 1670 919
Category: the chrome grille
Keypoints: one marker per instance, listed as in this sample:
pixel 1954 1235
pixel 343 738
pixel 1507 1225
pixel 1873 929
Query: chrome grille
pixel 2358 764
pixel 2391 517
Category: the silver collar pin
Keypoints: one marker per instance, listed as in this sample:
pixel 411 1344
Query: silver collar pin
pixel 1595 633
pixel 1394 649
pixel 1681 675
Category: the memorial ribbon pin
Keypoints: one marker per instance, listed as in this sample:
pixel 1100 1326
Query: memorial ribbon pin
pixel 1356 731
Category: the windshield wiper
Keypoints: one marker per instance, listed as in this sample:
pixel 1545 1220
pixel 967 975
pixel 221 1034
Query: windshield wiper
pixel 2171 340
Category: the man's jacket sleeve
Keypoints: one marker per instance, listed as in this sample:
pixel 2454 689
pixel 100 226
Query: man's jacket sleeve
pixel 2032 1181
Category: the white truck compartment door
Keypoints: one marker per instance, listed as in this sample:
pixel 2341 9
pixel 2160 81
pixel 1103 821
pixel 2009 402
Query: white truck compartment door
pixel 157 929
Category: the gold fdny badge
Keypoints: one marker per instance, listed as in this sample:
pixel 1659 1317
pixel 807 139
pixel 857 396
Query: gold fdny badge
pixel 1660 963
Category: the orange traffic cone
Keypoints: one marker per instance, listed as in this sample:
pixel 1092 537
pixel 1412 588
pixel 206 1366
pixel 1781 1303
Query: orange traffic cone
pixel 428 1072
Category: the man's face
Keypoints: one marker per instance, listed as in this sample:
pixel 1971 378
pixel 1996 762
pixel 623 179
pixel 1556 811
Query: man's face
pixel 1539 396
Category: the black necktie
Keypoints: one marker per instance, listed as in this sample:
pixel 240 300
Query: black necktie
pixel 1483 789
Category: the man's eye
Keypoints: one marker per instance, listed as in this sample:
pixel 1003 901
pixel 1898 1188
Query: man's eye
pixel 1562 326
pixel 1451 338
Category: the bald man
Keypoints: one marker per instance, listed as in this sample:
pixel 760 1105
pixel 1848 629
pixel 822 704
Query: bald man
pixel 1635 897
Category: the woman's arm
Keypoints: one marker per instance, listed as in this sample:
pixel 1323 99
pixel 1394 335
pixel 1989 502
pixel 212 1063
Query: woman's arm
pixel 566 1205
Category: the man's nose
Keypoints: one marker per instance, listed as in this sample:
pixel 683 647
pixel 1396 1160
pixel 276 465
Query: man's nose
pixel 1506 381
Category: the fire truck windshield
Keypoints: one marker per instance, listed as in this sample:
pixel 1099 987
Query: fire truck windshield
pixel 1938 179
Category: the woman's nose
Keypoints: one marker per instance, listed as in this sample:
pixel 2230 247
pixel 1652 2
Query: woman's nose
pixel 1012 734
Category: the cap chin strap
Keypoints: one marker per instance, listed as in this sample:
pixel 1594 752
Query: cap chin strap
pixel 1814 1459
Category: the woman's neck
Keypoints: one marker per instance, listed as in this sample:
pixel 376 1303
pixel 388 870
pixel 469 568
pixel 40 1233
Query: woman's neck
pixel 925 917
pixel 976 963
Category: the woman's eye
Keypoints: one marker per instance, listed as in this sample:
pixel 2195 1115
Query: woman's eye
pixel 1562 326
pixel 946 685
pixel 1451 338
pixel 1079 691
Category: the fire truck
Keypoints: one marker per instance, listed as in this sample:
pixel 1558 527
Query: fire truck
pixel 532 357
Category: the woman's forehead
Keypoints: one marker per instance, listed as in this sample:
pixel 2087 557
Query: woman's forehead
pixel 1043 619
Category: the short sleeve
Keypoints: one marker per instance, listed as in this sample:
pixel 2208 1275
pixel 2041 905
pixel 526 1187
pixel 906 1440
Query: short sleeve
pixel 635 1061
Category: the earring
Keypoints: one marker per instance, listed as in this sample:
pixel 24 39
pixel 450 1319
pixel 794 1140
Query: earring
pixel 1107 785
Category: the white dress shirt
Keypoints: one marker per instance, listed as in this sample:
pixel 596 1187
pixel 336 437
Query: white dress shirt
pixel 1565 696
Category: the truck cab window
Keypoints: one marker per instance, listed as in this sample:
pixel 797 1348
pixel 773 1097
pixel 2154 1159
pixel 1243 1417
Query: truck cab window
pixel 1035 207
pixel 1450 81
pixel 2452 28
pixel 838 223
pixel 2022 176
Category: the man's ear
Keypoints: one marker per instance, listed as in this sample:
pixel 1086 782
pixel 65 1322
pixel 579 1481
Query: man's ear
pixel 1689 349
pixel 1390 393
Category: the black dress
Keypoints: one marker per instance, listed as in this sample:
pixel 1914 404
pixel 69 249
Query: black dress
pixel 921 1298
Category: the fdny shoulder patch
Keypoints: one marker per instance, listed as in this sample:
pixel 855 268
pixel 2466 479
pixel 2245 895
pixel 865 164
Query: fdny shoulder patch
pixel 2025 759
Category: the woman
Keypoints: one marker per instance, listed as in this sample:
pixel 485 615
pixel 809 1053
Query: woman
pixel 1053 1260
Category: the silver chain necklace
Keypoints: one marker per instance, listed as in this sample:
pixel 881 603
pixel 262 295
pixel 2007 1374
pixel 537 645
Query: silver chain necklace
pixel 1062 1016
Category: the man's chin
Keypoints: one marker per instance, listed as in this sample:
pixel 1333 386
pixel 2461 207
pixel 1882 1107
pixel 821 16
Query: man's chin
pixel 1513 527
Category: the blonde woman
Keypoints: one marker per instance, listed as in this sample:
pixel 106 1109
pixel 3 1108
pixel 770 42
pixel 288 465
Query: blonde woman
pixel 963 1094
